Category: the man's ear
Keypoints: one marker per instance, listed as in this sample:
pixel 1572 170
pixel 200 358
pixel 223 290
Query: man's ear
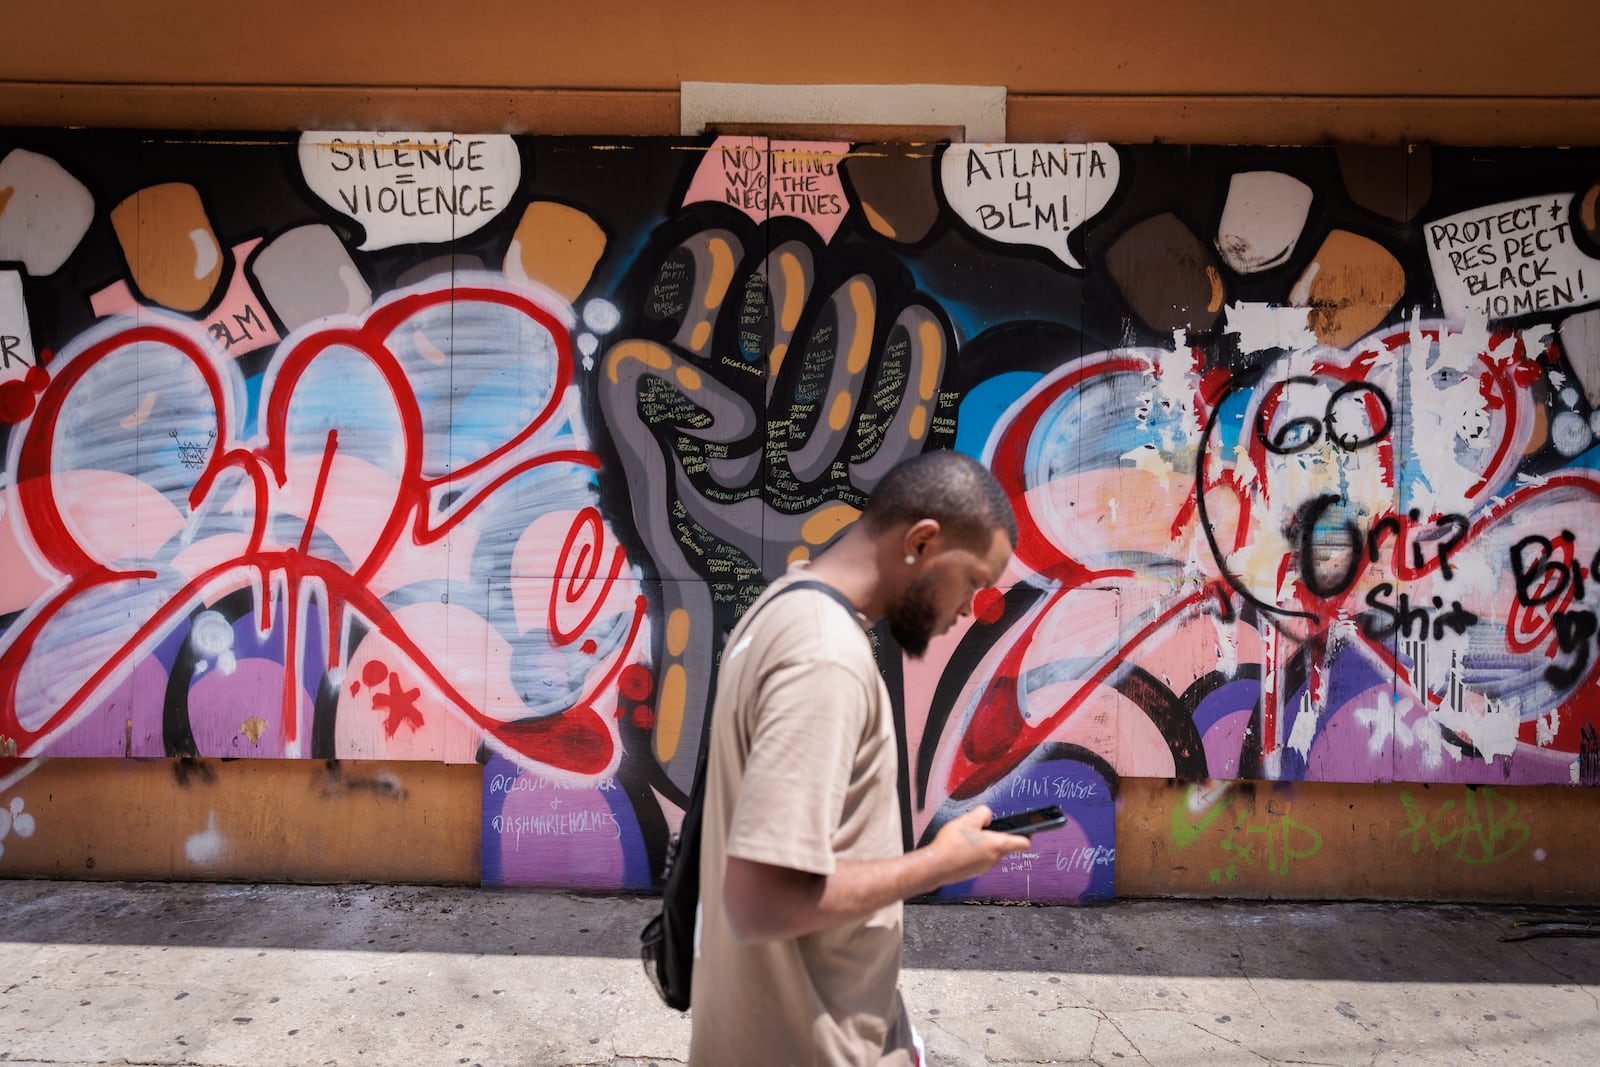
pixel 921 537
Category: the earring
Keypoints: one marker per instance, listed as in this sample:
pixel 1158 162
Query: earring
pixel 911 561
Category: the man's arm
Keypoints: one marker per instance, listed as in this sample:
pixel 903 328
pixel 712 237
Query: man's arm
pixel 768 903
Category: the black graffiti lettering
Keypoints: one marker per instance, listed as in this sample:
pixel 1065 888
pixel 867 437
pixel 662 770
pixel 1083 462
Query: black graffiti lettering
pixel 796 203
pixel 1525 275
pixel 1027 216
pixel 1574 630
pixel 1545 240
pixel 8 352
pixel 1365 422
pixel 1404 616
pixel 1457 618
pixel 1545 298
pixel 1473 231
pixel 1296 435
pixel 1356 415
pixel 1546 572
pixel 454 155
pixel 1461 526
pixel 248 319
pixel 1370 624
pixel 340 155
pixel 1474 258
pixel 1533 580
pixel 1036 163
pixel 245 325
pixel 1389 524
pixel 411 201
pixel 1394 529
pixel 473 160
pixel 1411 615
pixel 1306 529
pixel 804 163
pixel 1577 569
pixel 975 166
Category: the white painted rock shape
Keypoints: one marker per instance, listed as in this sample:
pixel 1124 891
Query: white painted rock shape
pixel 1262 220
pixel 44 211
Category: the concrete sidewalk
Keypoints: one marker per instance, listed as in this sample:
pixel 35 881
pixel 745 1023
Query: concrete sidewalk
pixel 262 976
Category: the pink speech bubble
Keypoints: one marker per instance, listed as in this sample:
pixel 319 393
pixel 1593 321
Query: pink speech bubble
pixel 765 178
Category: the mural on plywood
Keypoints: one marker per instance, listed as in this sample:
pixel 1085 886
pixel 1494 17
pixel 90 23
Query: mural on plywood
pixel 429 445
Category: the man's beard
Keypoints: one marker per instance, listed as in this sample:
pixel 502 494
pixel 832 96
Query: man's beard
pixel 912 619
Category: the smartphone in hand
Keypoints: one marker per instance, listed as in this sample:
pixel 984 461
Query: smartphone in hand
pixel 1029 822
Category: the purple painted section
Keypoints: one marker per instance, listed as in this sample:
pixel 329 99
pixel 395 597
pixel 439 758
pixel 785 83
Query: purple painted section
pixel 542 832
pixel 1073 864
pixel 1224 743
pixel 128 721
pixel 224 707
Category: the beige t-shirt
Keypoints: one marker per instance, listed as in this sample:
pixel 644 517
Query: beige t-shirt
pixel 802 772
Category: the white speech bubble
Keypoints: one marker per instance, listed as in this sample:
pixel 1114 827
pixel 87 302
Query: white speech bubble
pixel 412 188
pixel 1030 194
pixel 16 339
pixel 1508 260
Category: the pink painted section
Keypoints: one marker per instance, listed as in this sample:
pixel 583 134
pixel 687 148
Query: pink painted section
pixel 410 562
pixel 385 710
pixel 117 517
pixel 237 325
pixel 24 583
pixel 356 499
pixel 240 322
pixel 766 179
pixel 114 299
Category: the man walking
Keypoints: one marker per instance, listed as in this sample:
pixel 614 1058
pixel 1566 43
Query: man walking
pixel 802 868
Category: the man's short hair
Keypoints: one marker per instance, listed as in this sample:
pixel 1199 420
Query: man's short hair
pixel 953 489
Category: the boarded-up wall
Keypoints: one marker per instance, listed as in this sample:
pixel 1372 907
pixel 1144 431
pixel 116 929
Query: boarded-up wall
pixel 466 449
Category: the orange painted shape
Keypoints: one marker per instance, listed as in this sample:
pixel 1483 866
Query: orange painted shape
pixel 669 712
pixel 1350 286
pixel 557 246
pixel 172 252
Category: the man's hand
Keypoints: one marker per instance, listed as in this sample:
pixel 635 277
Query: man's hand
pixel 767 903
pixel 965 849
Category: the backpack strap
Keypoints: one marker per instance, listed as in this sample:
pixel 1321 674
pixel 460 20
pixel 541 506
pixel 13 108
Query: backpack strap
pixel 697 786
pixel 794 587
pixel 667 940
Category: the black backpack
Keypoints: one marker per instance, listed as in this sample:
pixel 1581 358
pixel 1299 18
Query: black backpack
pixel 666 944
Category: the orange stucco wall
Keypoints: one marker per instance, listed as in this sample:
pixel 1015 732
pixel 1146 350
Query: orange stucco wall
pixel 1457 73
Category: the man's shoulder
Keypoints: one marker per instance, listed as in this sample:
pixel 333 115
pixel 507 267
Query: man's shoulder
pixel 806 608
pixel 804 628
